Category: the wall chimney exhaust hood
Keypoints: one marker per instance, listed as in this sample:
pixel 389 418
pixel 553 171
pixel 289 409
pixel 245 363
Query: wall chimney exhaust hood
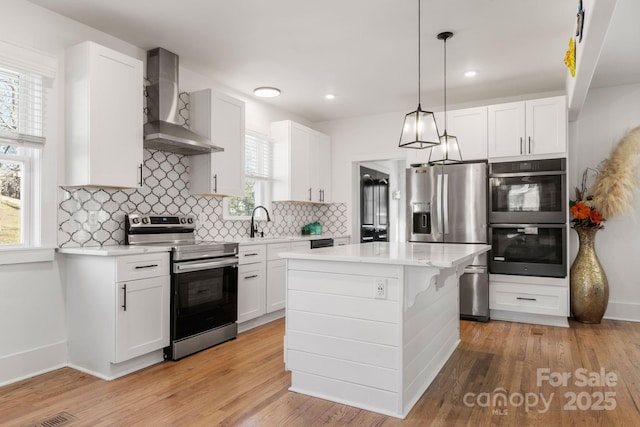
pixel 162 131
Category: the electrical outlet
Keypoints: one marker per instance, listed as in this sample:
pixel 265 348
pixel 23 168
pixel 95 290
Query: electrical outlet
pixel 381 289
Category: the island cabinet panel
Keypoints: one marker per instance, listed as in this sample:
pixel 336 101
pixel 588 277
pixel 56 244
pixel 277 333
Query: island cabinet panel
pixel 427 350
pixel 364 397
pixel 385 356
pixel 365 331
pixel 345 370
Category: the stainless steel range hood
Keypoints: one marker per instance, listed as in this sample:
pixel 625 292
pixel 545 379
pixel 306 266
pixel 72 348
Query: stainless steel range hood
pixel 162 131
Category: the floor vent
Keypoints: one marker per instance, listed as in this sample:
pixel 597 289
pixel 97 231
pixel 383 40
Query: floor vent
pixel 57 420
pixel 537 332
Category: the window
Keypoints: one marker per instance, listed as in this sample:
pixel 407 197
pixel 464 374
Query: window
pixel 22 100
pixel 258 164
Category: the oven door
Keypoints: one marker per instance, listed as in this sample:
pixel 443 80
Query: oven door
pixel 528 249
pixel 531 197
pixel 205 296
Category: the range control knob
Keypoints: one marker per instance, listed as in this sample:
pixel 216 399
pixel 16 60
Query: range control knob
pixel 135 220
pixel 183 220
pixel 190 220
pixel 145 220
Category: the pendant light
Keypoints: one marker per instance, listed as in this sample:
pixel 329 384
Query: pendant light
pixel 448 152
pixel 419 129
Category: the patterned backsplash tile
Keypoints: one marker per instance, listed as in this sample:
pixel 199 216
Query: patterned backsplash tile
pixel 95 216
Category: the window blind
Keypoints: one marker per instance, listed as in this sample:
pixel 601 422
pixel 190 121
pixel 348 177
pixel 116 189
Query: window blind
pixel 258 156
pixel 24 72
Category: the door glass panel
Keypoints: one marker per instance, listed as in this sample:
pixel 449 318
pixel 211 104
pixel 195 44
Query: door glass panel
pixel 529 245
pixel 527 194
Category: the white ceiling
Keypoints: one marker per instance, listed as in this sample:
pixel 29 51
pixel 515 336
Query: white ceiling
pixel 363 51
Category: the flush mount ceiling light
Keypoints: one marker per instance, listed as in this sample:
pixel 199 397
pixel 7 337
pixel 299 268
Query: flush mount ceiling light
pixel 448 152
pixel 470 73
pixel 266 92
pixel 330 96
pixel 419 129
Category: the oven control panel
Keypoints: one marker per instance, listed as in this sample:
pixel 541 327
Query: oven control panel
pixel 136 221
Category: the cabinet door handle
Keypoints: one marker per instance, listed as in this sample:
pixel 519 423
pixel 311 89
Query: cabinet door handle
pixel 251 277
pixel 521 151
pixel 146 266
pixel 529 145
pixel 215 183
pixel 526 299
pixel 140 169
pixel 309 193
pixel 124 305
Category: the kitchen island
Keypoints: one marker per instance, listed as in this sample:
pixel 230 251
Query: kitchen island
pixel 371 325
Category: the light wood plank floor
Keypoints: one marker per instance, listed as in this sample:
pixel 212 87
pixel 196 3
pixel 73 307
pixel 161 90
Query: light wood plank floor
pixel 243 383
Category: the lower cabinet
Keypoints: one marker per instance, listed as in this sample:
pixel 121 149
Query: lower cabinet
pixel 529 299
pixel 118 312
pixel 252 282
pixel 276 284
pixel 142 320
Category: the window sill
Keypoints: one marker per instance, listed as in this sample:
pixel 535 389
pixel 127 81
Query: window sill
pixel 23 255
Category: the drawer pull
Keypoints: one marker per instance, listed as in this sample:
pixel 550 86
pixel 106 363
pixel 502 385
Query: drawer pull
pixel 251 277
pixel 526 299
pixel 253 254
pixel 146 266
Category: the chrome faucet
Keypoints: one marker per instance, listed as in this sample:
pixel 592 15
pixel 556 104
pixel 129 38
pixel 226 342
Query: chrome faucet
pixel 254 229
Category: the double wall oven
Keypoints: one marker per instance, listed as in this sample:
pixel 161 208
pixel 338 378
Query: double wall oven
pixel 528 218
pixel 204 281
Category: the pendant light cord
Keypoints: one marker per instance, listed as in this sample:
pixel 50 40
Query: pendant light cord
pixel 419 1
pixel 445 86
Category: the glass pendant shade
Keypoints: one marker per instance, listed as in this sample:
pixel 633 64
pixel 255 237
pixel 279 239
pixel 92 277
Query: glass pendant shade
pixel 419 130
pixel 447 153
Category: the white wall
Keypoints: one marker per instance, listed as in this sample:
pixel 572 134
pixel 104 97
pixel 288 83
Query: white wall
pixel 355 140
pixel 607 114
pixel 32 307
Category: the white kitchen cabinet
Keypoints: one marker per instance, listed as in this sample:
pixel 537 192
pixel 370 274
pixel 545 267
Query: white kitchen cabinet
pixel 252 282
pixel 302 163
pixel 529 299
pixel 277 273
pixel 470 127
pixel 341 241
pixel 221 118
pixel 118 310
pixel 535 127
pixel 104 117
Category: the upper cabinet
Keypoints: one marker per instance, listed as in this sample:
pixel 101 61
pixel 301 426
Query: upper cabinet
pixel 302 163
pixel 531 127
pixel 104 117
pixel 221 118
pixel 470 127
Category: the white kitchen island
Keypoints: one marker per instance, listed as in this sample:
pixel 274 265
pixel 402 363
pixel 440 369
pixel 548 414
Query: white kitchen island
pixel 371 325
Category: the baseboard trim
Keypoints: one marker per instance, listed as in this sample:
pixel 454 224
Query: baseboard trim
pixel 628 311
pixel 259 321
pixel 20 366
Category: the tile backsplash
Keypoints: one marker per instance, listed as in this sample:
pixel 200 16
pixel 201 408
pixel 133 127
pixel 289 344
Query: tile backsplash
pixel 95 216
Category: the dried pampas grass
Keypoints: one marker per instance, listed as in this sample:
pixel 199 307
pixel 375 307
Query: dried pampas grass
pixel 617 179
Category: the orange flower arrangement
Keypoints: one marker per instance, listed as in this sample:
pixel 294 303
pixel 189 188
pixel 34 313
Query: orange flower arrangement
pixel 585 216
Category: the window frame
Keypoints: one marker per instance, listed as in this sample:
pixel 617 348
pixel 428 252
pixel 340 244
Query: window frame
pixel 265 182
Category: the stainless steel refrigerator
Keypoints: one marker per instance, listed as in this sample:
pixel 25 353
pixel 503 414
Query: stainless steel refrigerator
pixel 448 204
pixel 374 205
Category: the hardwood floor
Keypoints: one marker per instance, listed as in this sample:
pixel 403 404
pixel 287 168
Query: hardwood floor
pixel 243 383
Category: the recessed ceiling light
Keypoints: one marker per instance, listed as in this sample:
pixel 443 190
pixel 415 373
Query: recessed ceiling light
pixel 330 96
pixel 470 73
pixel 266 92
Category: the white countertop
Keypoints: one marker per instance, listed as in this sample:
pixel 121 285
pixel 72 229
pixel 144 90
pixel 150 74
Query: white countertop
pixel 442 255
pixel 115 250
pixel 282 239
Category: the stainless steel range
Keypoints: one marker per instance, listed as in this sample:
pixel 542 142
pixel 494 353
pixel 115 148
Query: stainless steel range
pixel 204 281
